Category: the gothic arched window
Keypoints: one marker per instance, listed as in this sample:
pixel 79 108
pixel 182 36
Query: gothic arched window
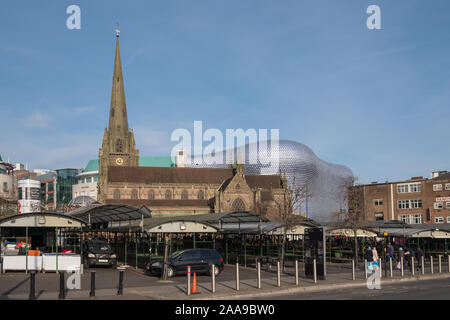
pixel 134 194
pixel 117 194
pixel 168 195
pixel 238 205
pixel 184 195
pixel 151 195
pixel 200 195
pixel 119 146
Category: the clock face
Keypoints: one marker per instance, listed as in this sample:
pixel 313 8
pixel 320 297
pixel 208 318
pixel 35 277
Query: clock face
pixel 119 161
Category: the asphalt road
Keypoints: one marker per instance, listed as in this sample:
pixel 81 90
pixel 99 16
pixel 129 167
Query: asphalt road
pixel 415 290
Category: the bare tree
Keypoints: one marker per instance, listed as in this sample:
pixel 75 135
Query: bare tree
pixel 351 216
pixel 293 197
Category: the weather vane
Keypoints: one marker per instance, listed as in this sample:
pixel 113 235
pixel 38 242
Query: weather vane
pixel 117 30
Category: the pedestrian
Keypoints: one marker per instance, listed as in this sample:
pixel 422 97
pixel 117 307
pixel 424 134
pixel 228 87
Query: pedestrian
pixel 400 255
pixel 390 252
pixel 375 257
pixel 419 255
pixel 369 258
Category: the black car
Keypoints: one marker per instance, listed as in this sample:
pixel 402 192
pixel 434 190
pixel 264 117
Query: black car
pixel 98 252
pixel 200 260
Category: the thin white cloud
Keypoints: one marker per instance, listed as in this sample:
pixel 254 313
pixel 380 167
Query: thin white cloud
pixel 37 119
pixel 83 110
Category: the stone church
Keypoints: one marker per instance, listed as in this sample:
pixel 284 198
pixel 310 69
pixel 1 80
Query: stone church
pixel 174 190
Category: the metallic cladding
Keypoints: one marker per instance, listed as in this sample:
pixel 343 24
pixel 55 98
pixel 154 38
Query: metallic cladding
pixel 325 181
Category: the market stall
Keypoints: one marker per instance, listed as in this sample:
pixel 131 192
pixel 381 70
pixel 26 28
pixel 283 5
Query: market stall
pixel 41 242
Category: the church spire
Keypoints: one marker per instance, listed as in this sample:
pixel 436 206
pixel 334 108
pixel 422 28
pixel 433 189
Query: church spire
pixel 118 120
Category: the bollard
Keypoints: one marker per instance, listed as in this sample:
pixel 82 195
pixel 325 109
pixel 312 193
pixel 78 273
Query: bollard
pixel 32 295
pixel 401 264
pixel 258 267
pixel 189 280
pixel 92 293
pixel 237 276
pixel 296 272
pixel 120 290
pixel 213 278
pixel 365 267
pixel 423 265
pixel 353 270
pixel 61 286
pixel 412 266
pixel 278 274
pixel 315 271
pixel 440 265
pixel 379 268
pixel 390 267
pixel 432 264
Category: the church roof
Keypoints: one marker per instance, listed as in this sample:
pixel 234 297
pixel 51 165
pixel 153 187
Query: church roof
pixel 168 175
pixel 163 161
pixel 160 203
pixel 263 181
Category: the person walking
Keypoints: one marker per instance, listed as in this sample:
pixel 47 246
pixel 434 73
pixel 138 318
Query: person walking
pixel 400 255
pixel 419 255
pixel 375 258
pixel 369 258
pixel 390 252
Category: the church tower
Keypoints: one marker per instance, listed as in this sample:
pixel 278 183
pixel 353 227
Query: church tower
pixel 118 147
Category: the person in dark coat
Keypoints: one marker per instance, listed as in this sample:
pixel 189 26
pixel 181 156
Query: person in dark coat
pixel 419 255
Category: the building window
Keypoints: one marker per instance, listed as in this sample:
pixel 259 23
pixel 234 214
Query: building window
pixel 184 195
pixel 447 186
pixel 134 194
pixel 409 187
pixel 379 216
pixel 415 187
pixel 447 205
pixel 116 194
pixel 378 202
pixel 151 195
pixel 119 146
pixel 238 205
pixel 415 204
pixel 50 187
pixel 437 187
pixel 95 179
pixel 200 195
pixel 411 218
pixel 50 198
pixel 402 188
pixel 403 204
pixel 5 187
pixel 448 219
pixel 439 220
pixel 168 195
pixel 409 204
pixel 438 205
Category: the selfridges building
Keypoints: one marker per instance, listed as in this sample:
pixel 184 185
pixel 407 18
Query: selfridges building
pixel 325 182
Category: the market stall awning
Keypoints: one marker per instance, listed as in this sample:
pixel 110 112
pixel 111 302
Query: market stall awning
pixel 360 232
pixel 101 213
pixel 46 220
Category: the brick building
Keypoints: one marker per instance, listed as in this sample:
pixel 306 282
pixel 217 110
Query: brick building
pixel 415 201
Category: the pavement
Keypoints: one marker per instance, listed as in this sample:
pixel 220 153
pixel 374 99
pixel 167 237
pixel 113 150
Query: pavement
pixel 140 286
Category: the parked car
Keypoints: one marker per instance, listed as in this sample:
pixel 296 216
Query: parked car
pixel 98 252
pixel 200 260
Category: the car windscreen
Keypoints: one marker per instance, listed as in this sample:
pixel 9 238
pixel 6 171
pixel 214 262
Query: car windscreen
pixel 176 254
pixel 99 247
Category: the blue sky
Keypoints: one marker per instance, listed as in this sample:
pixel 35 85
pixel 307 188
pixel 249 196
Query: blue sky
pixel 376 101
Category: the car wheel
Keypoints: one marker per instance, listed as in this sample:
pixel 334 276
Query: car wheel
pixel 170 272
pixel 216 270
